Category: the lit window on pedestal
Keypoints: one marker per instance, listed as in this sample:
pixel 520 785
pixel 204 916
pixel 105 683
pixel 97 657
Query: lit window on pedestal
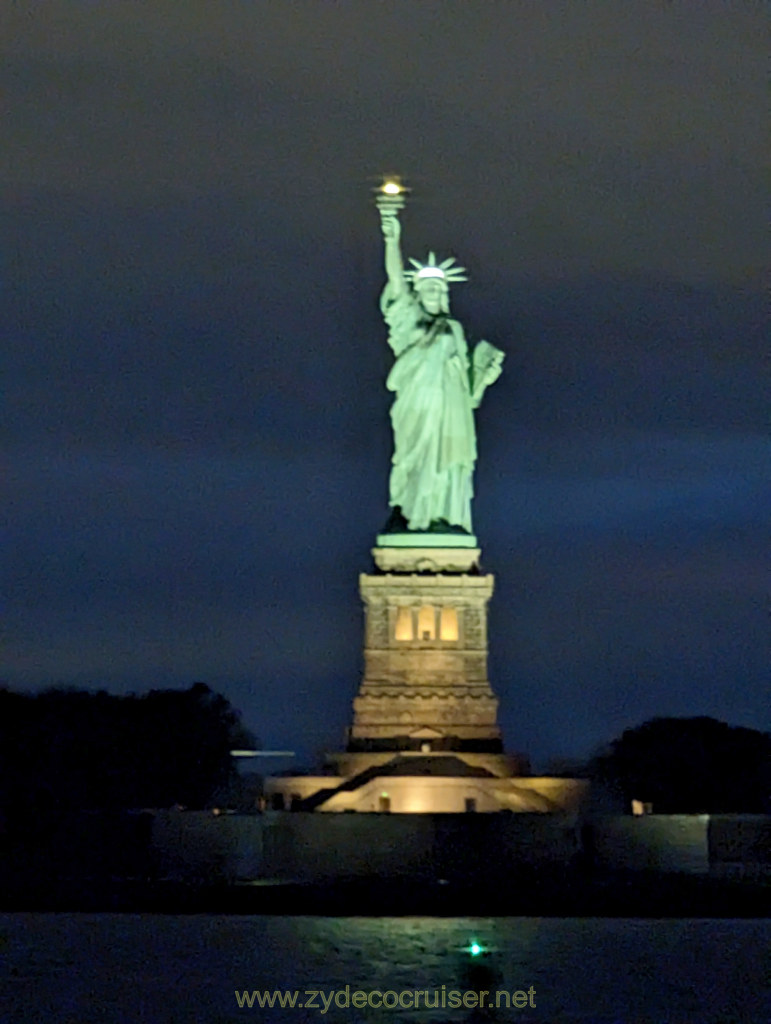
pixel 404 624
pixel 427 623
pixel 448 624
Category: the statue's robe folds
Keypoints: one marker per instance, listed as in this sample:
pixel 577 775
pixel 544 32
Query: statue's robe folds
pixel 432 418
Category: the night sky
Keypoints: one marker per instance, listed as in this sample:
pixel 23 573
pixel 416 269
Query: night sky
pixel 197 441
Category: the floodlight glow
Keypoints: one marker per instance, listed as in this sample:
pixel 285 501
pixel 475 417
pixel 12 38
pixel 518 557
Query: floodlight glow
pixel 391 188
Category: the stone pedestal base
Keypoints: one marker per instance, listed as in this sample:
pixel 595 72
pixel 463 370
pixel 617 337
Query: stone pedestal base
pixel 425 684
pixel 417 784
pixel 347 764
pixel 425 736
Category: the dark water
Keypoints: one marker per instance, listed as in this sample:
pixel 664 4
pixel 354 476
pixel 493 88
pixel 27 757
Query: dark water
pixel 82 968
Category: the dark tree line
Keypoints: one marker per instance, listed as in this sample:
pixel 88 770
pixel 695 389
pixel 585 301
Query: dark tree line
pixel 64 750
pixel 689 766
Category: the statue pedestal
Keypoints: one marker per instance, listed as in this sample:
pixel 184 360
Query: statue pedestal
pixel 425 736
pixel 425 684
pixel 427 558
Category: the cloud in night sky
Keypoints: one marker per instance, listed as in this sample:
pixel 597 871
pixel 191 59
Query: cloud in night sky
pixel 197 439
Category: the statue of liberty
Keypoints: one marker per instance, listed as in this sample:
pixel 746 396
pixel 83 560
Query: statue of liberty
pixel 437 387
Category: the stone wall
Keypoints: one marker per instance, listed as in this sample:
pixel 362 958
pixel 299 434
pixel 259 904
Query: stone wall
pixel 300 846
pixel 740 846
pixel 303 846
pixel 200 846
pixel 656 842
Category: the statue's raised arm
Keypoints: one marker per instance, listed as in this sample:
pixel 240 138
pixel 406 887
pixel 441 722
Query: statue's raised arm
pixel 437 387
pixel 394 265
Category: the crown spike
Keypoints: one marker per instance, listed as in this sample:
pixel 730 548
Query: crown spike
pixel 445 271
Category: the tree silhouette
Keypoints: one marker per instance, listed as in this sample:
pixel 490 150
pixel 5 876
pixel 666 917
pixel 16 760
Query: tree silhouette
pixel 71 749
pixel 690 766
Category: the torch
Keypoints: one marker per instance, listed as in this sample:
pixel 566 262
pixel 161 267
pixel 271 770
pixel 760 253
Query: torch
pixel 390 197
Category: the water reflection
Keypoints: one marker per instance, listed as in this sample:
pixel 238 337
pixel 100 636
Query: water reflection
pixel 121 967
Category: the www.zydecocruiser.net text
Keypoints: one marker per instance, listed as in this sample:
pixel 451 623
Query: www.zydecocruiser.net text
pixel 388 999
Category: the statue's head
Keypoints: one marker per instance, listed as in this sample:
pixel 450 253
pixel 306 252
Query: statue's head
pixel 431 282
pixel 433 295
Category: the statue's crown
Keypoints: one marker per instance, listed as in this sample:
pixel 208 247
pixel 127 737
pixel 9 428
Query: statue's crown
pixel 445 270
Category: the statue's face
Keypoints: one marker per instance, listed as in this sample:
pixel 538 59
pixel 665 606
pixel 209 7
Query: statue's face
pixel 430 295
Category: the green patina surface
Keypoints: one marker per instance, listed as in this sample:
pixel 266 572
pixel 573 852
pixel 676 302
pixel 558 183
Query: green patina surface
pixel 437 385
pixel 426 540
